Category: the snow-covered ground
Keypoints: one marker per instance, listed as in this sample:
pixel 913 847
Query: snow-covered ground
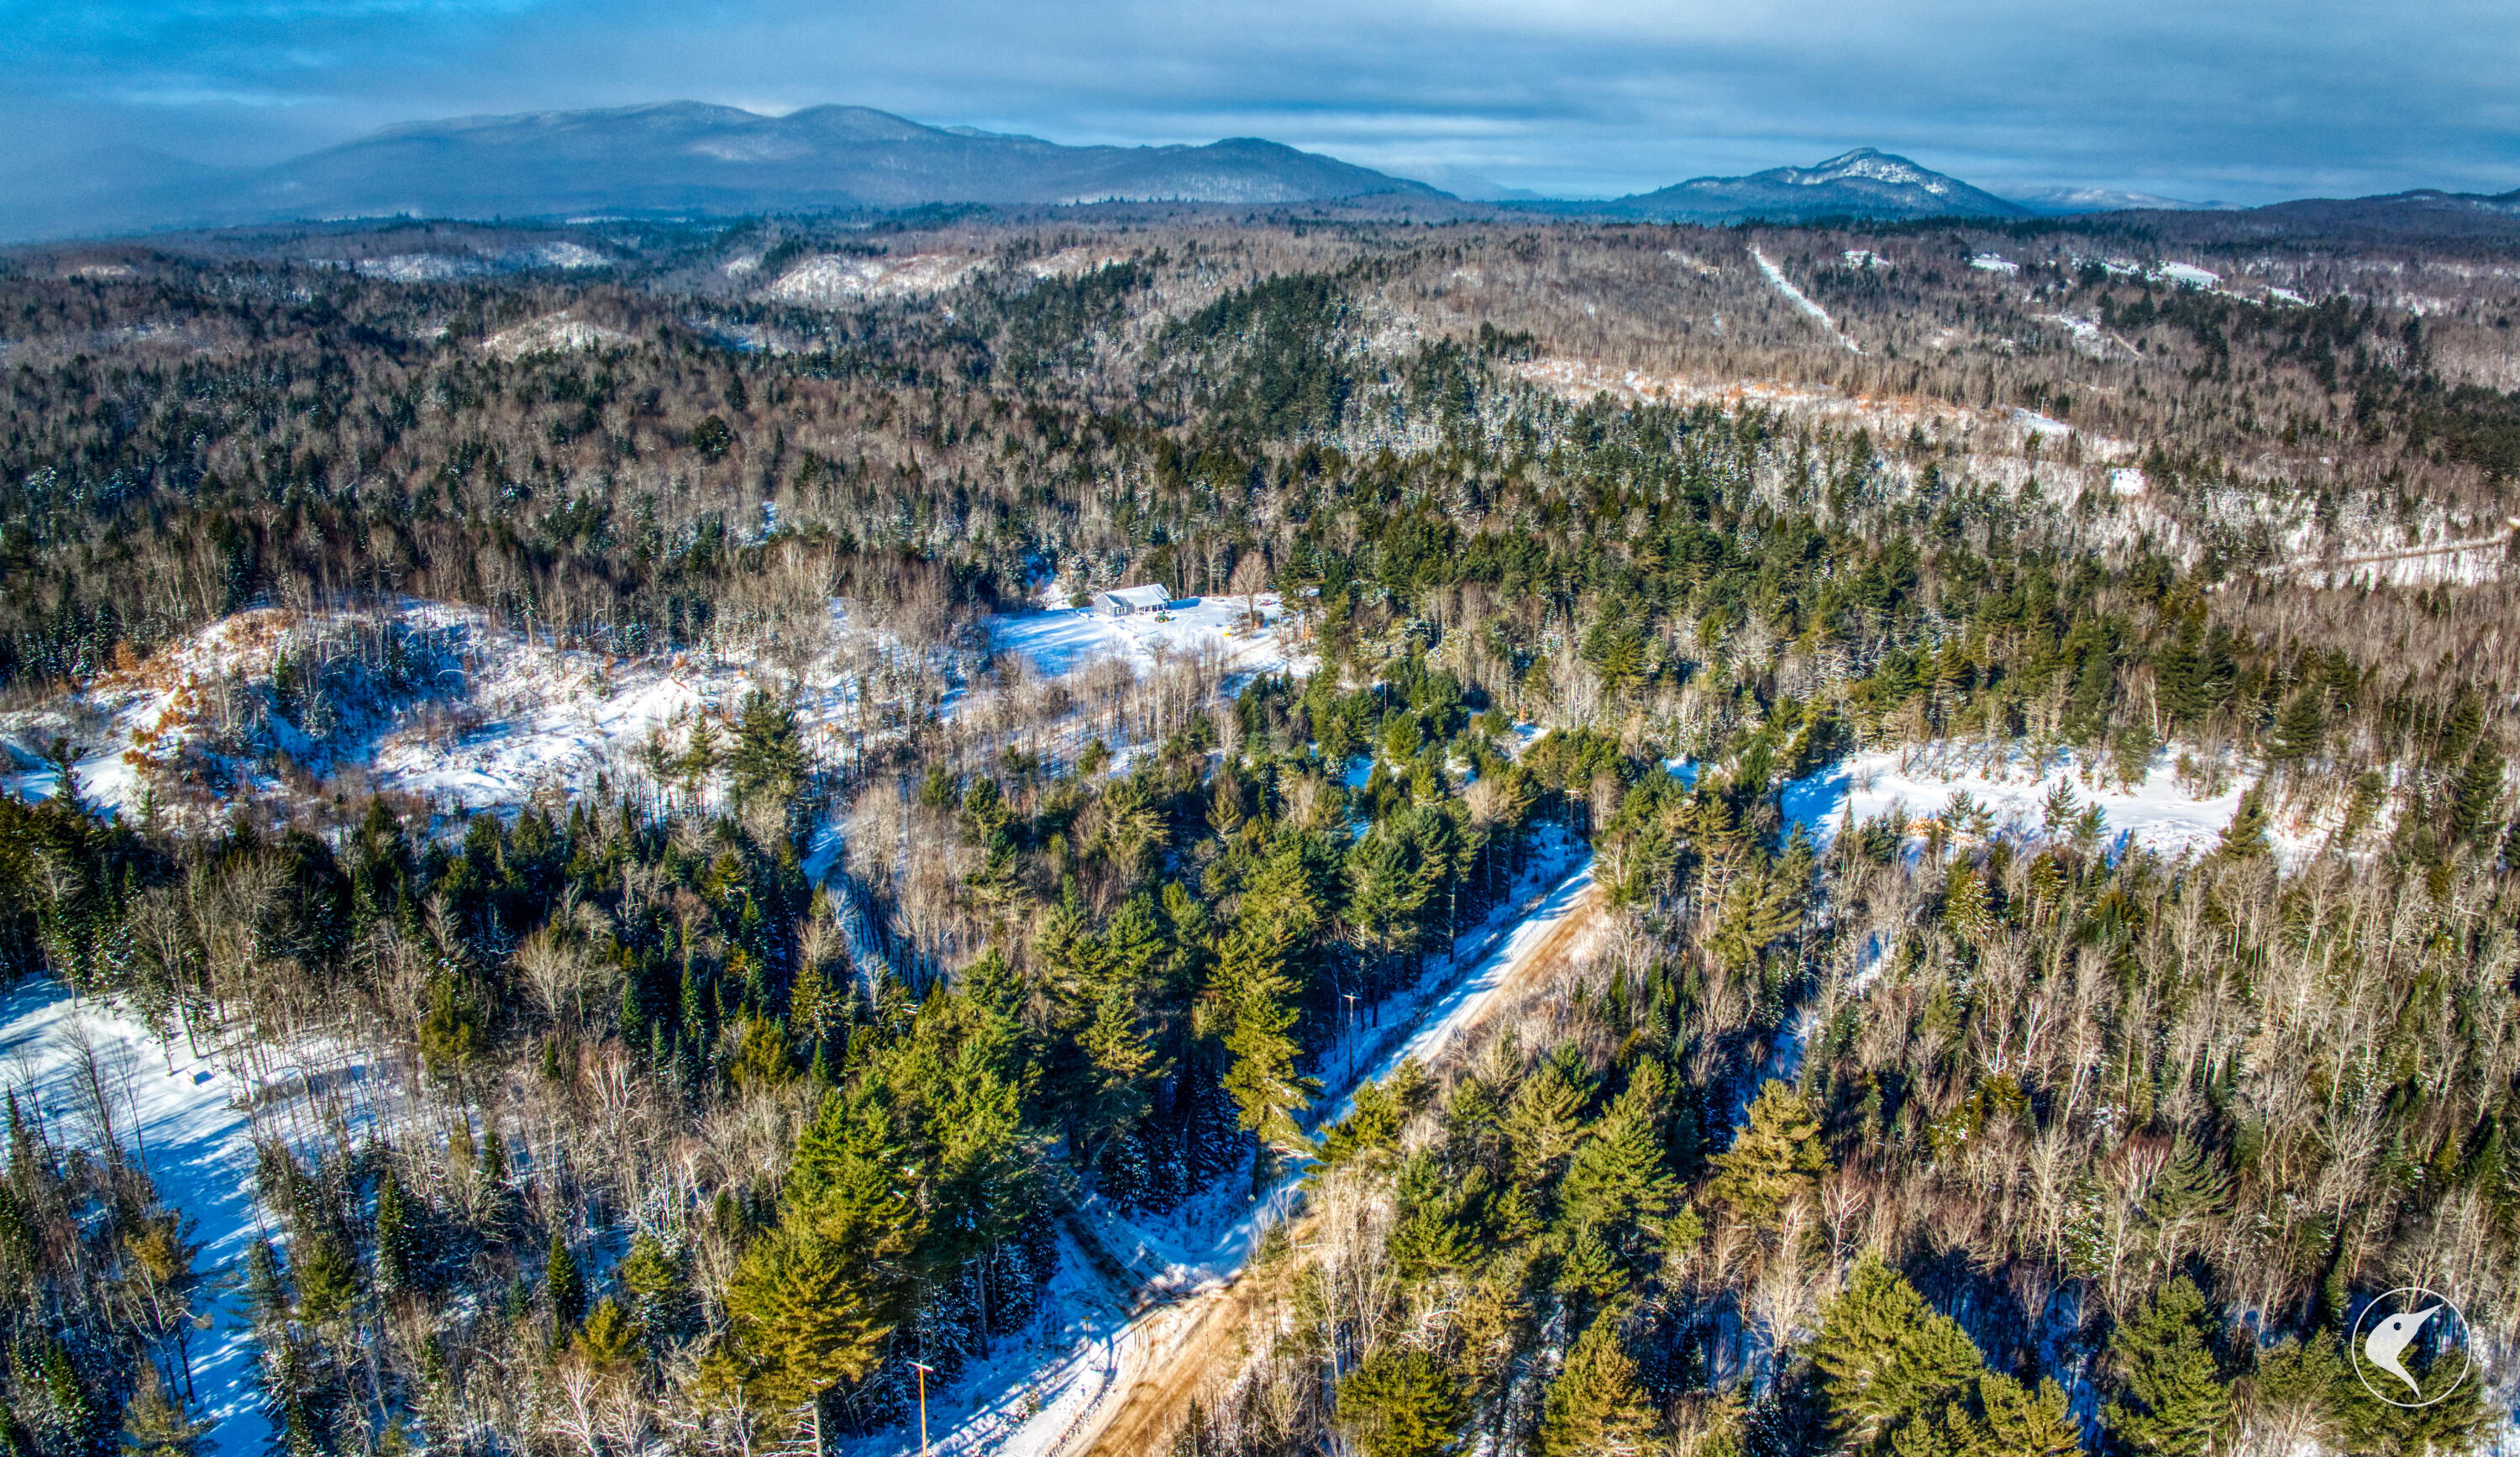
pixel 835 279
pixel 184 1118
pixel 1059 640
pixel 510 717
pixel 1929 782
pixel 1026 1399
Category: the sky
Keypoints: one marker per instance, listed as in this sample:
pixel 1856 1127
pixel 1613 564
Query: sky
pixel 2242 101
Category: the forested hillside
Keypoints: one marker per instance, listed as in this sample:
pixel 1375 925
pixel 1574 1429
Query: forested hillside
pixel 877 957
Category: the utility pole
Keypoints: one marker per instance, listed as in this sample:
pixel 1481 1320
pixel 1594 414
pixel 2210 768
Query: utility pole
pixel 923 1405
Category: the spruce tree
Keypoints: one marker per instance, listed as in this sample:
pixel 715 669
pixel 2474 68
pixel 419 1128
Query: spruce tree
pixel 2171 1401
pixel 1400 1403
pixel 397 1242
pixel 1617 1184
pixel 1544 1124
pixel 1277 917
pixel 1775 1159
pixel 1597 1407
pixel 1885 1358
pixel 328 1281
pixel 2475 795
pixel 659 1296
pixel 2245 838
pixel 768 762
pixel 564 1285
pixel 77 1425
pixel 1967 908
pixel 2016 1421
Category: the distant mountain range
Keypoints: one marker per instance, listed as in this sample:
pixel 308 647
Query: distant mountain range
pixel 672 157
pixel 695 160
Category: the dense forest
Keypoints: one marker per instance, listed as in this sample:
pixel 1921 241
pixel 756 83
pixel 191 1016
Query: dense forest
pixel 821 1042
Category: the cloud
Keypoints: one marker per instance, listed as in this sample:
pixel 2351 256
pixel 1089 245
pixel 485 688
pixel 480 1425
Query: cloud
pixel 2226 98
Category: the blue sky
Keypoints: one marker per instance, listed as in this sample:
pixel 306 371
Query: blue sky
pixel 2198 99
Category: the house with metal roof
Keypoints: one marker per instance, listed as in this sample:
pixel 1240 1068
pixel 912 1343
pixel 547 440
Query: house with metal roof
pixel 1130 602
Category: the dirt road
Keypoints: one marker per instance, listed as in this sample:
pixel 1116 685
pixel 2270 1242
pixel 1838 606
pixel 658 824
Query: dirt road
pixel 1172 1352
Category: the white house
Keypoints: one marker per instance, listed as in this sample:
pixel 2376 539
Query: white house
pixel 1129 602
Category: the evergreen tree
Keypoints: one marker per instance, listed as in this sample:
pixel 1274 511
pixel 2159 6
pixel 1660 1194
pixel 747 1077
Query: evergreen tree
pixel 608 1338
pixel 1277 916
pixel 2018 1421
pixel 328 1281
pixel 2456 1420
pixel 2245 838
pixel 1124 1069
pixel 2171 1401
pixel 1759 910
pixel 452 1038
pixel 397 1241
pixel 1885 1358
pixel 2296 1394
pixel 1617 1184
pixel 768 760
pixel 154 1422
pixel 1775 1159
pixel 294 1401
pixel 2474 797
pixel 803 1316
pixel 1261 1077
pixel 77 1425
pixel 1389 885
pixel 566 1285
pixel 2300 731
pixel 1967 908
pixel 1544 1124
pixel 1597 1407
pixel 1400 1403
pixel 659 1298
pixel 812 1301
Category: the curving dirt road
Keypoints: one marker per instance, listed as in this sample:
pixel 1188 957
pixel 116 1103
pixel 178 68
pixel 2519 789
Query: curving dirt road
pixel 1171 1353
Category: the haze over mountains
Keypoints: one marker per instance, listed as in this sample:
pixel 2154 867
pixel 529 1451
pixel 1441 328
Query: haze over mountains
pixel 693 159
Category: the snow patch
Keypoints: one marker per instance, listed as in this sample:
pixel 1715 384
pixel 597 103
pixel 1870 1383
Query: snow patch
pixel 551 334
pixel 1059 640
pixel 832 280
pixel 1971 796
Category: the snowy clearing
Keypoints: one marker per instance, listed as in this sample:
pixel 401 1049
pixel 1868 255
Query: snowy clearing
pixel 832 280
pixel 1974 796
pixel 1060 640
pixel 553 333
pixel 497 718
